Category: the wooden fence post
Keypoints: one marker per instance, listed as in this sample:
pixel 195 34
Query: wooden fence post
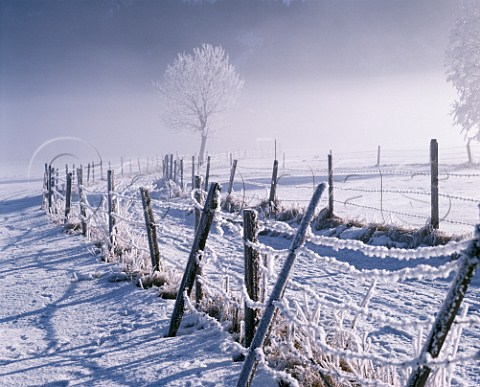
pixel 181 173
pixel 198 246
pixel 88 172
pixel 49 187
pixel 175 171
pixel 252 271
pixel 278 291
pixel 68 197
pixel 199 198
pixel 193 172
pixel 151 229
pixel 207 173
pixel 232 176
pixel 111 208
pixel 93 171
pixel 83 204
pixel 170 173
pixel 447 313
pixel 330 183
pixel 434 183
pixel 121 164
pixel 378 156
pixel 45 187
pixel 101 170
pixel 273 187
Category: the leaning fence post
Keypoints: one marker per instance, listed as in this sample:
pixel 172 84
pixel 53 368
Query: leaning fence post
pixel 198 247
pixel 151 229
pixel 232 176
pixel 198 195
pixel 111 207
pixel 252 271
pixel 83 204
pixel 434 183
pixel 447 313
pixel 273 187
pixel 330 183
pixel 276 296
pixel 68 196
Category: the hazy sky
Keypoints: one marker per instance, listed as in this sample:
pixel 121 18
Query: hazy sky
pixel 341 75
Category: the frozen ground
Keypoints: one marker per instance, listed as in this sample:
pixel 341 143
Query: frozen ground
pixel 63 322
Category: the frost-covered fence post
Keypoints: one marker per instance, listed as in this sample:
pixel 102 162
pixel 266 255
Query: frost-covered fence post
pixel 193 172
pixel 199 199
pixel 278 291
pixel 101 170
pixel 233 169
pixel 181 173
pixel 151 229
pixel 68 196
pixel 111 207
pixel 175 171
pixel 207 173
pixel 170 173
pixel 330 183
pixel 93 171
pixel 121 164
pixel 273 187
pixel 252 271
pixel 88 172
pixel 434 183
pixel 139 166
pixel 50 188
pixel 445 317
pixel 45 187
pixel 83 204
pixel 198 247
pixel 165 166
pixel 378 156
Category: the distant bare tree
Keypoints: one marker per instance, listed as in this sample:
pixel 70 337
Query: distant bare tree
pixel 198 90
pixel 463 70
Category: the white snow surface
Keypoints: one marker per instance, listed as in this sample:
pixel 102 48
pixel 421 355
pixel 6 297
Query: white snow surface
pixel 63 322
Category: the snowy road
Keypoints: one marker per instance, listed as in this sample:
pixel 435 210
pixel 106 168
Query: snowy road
pixel 63 323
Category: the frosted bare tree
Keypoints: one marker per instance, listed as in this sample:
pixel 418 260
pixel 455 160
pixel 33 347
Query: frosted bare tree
pixel 197 90
pixel 463 70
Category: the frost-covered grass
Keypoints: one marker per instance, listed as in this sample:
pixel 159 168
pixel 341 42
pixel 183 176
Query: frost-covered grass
pixel 348 318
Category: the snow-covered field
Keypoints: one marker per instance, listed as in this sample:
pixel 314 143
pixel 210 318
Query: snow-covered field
pixel 66 322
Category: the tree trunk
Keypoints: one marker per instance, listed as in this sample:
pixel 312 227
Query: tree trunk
pixel 469 152
pixel 202 149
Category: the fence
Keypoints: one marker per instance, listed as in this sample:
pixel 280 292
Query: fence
pixel 319 334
